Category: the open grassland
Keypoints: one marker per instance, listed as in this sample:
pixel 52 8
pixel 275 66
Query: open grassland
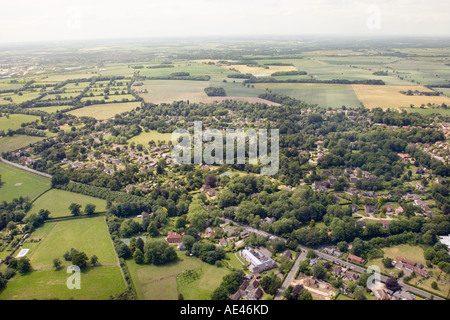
pixel 58 202
pixel 390 97
pixel 85 234
pixel 324 95
pixel 14 121
pixel 167 91
pixel 68 76
pixel 17 141
pixel 52 109
pixel 97 283
pixel 194 68
pixel 20 183
pixel 25 96
pixel 144 137
pixel 166 282
pixel 104 111
pixel 111 98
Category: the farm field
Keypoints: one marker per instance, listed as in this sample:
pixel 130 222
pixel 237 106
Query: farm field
pixel 259 70
pixel 19 183
pixel 68 76
pixel 104 111
pixel 26 96
pixel 85 234
pixel 324 95
pixel 52 109
pixel 167 91
pixel 58 201
pixel 98 283
pixel 390 97
pixel 15 120
pixel 166 282
pixel 16 142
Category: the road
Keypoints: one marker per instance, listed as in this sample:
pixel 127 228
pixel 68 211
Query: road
pixel 329 258
pixel 290 275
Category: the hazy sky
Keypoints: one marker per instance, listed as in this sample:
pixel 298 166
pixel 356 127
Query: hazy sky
pixel 43 20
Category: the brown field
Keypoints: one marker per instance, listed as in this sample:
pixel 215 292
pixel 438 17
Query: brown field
pixel 246 99
pixel 390 97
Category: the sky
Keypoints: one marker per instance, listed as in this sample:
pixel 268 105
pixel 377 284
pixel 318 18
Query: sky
pixel 50 20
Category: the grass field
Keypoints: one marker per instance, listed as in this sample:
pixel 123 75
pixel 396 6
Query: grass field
pixel 390 97
pixel 52 109
pixel 324 95
pixel 15 120
pixel 96 284
pixel 261 71
pixel 58 202
pixel 144 137
pixel 87 234
pixel 19 183
pixel 167 91
pixel 17 141
pixel 105 111
pixel 166 282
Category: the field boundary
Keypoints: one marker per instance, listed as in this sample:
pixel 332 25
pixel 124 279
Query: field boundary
pixel 25 168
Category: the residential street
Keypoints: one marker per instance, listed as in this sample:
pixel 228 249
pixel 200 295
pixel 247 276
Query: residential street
pixel 290 275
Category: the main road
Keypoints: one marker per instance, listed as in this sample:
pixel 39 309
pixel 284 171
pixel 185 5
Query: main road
pixel 328 257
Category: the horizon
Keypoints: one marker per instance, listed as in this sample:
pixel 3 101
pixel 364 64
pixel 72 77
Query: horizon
pixel 51 20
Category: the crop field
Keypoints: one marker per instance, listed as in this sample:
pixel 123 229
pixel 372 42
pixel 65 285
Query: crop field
pixel 166 282
pixel 167 91
pixel 68 76
pixel 104 111
pixel 324 95
pixel 58 201
pixel 20 183
pixel 390 97
pixel 15 120
pixel 144 137
pixel 111 98
pixel 17 141
pixel 259 70
pixel 194 68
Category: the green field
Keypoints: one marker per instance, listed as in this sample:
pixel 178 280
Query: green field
pixel 96 284
pixel 324 95
pixel 15 120
pixel 17 141
pixel 167 91
pixel 58 202
pixel 166 282
pixel 87 234
pixel 52 109
pixel 105 111
pixel 19 183
pixel 144 137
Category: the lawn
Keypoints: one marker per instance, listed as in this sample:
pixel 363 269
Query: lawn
pixel 167 281
pixel 19 183
pixel 15 120
pixel 87 234
pixel 58 202
pixel 144 137
pixel 104 111
pixel 17 141
pixel 96 284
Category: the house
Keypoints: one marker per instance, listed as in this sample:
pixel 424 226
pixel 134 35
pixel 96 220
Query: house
pixel 371 210
pixel 209 232
pixel 385 223
pixel 420 186
pixel 356 259
pixel 223 242
pixel 245 234
pixel 287 254
pixel 351 276
pixel 173 238
pixel 256 260
pixel 230 231
pixel 337 270
pixel 403 295
pixel 314 261
pixel 399 210
pixel 380 294
pixel 389 208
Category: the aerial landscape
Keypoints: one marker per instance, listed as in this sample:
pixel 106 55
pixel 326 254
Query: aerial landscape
pixel 96 205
